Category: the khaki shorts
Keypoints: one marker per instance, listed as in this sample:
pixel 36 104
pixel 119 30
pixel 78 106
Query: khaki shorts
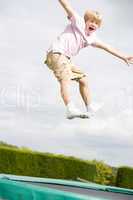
pixel 62 67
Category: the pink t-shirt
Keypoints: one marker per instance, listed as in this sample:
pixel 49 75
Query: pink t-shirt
pixel 73 38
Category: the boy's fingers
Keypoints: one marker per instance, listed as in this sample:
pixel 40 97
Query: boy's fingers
pixel 130 58
pixel 130 61
pixel 126 61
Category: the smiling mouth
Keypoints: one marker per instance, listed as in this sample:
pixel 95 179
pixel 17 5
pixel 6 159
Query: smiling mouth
pixel 91 28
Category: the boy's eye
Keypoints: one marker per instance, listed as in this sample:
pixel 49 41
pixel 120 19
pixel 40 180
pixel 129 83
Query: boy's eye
pixel 93 22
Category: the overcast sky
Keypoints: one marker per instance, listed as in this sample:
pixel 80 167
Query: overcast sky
pixel 32 113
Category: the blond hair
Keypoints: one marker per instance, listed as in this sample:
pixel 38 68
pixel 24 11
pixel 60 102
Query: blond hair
pixel 93 15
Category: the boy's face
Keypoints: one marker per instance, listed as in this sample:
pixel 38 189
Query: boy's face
pixel 91 26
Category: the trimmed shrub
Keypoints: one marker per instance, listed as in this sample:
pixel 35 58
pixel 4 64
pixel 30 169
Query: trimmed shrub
pixel 26 163
pixel 125 177
pixel 105 174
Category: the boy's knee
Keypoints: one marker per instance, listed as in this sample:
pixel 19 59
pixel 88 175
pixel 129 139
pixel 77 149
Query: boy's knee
pixel 83 81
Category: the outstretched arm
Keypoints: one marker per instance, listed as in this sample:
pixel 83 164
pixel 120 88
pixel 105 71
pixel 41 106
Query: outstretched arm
pixel 127 59
pixel 69 10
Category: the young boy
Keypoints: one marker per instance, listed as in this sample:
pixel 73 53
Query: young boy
pixel 79 34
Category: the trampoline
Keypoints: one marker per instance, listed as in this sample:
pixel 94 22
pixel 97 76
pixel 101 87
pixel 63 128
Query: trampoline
pixel 78 189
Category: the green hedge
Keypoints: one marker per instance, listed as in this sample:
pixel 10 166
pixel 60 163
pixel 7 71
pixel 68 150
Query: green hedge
pixel 125 177
pixel 20 162
pixel 106 175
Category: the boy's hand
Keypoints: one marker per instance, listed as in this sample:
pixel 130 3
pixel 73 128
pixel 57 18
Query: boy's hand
pixel 128 60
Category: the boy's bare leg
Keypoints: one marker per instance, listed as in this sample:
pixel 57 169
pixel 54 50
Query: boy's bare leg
pixel 85 91
pixel 64 89
pixel 91 108
pixel 72 111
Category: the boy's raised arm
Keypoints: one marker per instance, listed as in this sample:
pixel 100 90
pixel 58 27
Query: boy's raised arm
pixel 69 10
pixel 127 59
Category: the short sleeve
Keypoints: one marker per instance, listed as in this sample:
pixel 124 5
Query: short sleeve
pixel 92 40
pixel 95 40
